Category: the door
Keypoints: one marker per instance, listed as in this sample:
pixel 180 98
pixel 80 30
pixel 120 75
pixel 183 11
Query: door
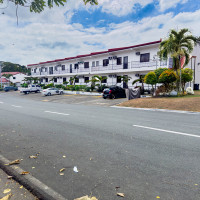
pixel 70 68
pixel 50 70
pixel 125 64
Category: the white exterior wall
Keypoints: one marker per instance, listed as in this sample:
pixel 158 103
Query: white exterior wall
pixel 134 69
pixel 17 79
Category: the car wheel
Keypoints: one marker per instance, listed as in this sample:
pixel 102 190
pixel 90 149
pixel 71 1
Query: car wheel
pixel 49 94
pixel 104 97
pixel 61 93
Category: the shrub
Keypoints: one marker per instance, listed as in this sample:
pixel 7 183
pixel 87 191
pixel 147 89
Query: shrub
pixel 101 88
pixel 167 78
pixel 159 71
pixel 59 86
pixel 150 78
pixel 24 85
pixel 48 86
pixel 87 89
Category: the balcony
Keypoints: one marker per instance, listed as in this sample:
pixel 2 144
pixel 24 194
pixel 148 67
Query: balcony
pixel 130 66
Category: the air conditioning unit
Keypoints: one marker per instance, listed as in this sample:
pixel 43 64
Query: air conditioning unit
pixel 137 75
pixel 110 58
pixel 137 53
pixel 114 57
pixel 110 76
pixel 81 76
pixel 114 76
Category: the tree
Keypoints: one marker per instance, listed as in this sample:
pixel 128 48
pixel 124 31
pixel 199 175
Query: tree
pixel 100 79
pixel 179 44
pixel 38 6
pixel 186 76
pixel 125 79
pixel 7 75
pixel 151 79
pixel 159 71
pixel 167 77
pixel 93 80
pixel 72 80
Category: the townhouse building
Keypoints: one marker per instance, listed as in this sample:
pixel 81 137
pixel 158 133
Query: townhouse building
pixel 133 61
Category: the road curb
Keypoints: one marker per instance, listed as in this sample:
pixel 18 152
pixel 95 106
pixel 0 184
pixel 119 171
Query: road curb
pixel 159 110
pixel 36 187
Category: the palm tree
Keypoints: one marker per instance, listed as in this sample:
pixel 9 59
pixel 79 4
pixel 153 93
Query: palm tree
pixel 125 79
pixel 179 44
pixel 72 80
pixel 100 78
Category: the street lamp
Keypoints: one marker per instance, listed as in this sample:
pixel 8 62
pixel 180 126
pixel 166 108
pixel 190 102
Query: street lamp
pixel 156 58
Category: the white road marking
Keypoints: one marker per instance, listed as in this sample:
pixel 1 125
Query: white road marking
pixel 16 106
pixel 56 113
pixel 168 131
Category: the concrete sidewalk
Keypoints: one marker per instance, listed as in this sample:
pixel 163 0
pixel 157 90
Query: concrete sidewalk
pixel 12 187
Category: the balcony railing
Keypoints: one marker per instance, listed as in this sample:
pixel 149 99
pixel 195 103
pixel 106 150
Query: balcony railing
pixel 134 65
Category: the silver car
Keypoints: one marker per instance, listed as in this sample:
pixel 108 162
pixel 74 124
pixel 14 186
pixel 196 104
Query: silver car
pixel 52 91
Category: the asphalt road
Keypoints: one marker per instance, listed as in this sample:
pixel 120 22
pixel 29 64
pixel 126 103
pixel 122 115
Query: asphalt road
pixel 130 149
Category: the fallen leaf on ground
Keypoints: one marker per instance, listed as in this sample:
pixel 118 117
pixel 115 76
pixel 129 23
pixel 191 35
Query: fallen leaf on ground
pixel 7 197
pixel 157 197
pixel 6 191
pixel 86 198
pixel 120 194
pixel 33 167
pixel 61 174
pixel 21 187
pixel 61 170
pixel 14 162
pixel 33 157
pixel 64 156
pixel 9 177
pixel 24 173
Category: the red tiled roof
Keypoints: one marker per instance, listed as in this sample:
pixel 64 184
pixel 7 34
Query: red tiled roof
pixel 101 52
pixel 4 80
pixel 13 73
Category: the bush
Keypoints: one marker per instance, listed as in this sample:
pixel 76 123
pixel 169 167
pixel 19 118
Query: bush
pixel 159 71
pixel 150 78
pixel 167 78
pixel 48 86
pixel 101 88
pixel 24 85
pixel 87 89
pixel 59 86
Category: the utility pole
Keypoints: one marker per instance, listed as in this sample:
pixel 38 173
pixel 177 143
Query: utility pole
pixel 180 71
pixel 0 72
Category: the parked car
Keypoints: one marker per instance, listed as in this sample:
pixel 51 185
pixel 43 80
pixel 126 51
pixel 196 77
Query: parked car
pixel 114 92
pixel 31 88
pixel 52 91
pixel 9 88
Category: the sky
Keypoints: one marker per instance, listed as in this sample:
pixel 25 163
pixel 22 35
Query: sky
pixel 77 29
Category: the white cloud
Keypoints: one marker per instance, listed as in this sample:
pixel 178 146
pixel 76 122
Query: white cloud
pixel 166 4
pixel 49 36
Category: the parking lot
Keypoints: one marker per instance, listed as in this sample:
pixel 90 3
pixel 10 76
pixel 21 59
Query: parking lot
pixel 70 99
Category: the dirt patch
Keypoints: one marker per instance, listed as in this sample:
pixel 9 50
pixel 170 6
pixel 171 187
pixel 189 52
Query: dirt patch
pixel 179 103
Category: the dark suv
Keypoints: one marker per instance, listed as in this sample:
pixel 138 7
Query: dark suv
pixel 6 89
pixel 114 92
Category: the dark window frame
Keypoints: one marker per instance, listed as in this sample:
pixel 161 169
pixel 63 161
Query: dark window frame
pixel 85 81
pixel 63 67
pixel 76 80
pixel 105 80
pixel 119 81
pixel 119 60
pixel 86 65
pixel 145 57
pixel 105 62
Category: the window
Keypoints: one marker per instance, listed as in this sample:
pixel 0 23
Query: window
pixel 76 66
pixel 76 80
pixel 105 62
pixel 63 67
pixel 105 80
pixel 45 69
pixel 86 79
pixel 55 68
pixel 46 79
pixel 144 57
pixel 119 60
pixel 64 80
pixel 86 64
pixel 14 77
pixel 93 63
pixel 34 70
pixel 119 80
pixel 97 63
pixel 55 80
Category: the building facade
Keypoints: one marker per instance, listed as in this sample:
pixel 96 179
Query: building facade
pixel 133 61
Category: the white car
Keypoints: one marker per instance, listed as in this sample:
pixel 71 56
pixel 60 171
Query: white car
pixel 52 91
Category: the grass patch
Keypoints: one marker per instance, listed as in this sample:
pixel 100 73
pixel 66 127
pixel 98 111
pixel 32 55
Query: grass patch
pixel 187 103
